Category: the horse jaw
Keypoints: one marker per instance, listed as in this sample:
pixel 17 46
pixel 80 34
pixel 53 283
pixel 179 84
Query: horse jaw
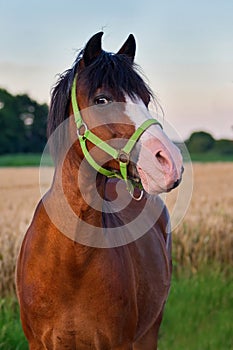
pixel 159 162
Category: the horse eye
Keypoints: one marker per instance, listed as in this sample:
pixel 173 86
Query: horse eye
pixel 102 100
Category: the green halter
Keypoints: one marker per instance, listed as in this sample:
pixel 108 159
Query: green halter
pixel 122 156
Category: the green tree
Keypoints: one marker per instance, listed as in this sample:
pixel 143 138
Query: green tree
pixel 22 124
pixel 200 142
pixel 224 147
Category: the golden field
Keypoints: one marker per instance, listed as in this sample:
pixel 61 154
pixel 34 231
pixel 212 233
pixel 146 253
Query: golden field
pixel 19 195
pixel 205 235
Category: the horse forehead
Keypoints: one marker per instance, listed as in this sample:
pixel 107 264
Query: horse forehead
pixel 138 113
pixel 136 110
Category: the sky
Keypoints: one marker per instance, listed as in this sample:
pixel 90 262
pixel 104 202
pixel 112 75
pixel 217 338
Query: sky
pixel 185 49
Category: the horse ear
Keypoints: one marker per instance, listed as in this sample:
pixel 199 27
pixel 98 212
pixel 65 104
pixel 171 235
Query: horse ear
pixel 128 48
pixel 92 49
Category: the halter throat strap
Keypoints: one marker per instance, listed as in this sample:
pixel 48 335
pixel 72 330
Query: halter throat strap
pixel 122 155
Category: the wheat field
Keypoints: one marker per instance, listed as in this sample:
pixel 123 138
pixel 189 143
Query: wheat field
pixel 205 235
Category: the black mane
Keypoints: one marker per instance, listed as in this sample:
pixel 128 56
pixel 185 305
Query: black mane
pixel 114 71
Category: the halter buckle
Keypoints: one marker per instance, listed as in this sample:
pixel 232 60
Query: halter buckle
pixel 82 129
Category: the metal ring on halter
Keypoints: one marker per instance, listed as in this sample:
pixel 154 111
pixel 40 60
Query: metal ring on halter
pixel 123 157
pixel 137 198
pixel 81 132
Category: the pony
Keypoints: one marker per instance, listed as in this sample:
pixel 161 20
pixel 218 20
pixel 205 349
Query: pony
pixel 94 268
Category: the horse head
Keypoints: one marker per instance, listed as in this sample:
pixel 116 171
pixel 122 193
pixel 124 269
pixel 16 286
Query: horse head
pixel 111 101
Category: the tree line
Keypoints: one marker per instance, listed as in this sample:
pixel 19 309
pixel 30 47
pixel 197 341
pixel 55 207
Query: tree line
pixel 202 142
pixel 22 124
pixel 23 128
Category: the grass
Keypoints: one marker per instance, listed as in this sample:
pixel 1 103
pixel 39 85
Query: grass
pixel 11 334
pixel 198 315
pixel 211 157
pixel 21 160
pixel 33 159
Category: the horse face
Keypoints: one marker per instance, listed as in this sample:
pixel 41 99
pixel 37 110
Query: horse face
pixel 158 161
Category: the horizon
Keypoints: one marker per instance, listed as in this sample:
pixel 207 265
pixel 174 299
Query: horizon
pixel 184 49
pixel 173 139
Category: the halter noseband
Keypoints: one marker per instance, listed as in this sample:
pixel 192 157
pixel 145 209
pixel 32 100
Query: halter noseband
pixel 122 156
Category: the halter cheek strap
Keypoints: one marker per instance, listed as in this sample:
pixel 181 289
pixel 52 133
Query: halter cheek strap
pixel 122 156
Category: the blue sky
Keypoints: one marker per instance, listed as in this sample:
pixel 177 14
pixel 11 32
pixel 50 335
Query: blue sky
pixel 185 49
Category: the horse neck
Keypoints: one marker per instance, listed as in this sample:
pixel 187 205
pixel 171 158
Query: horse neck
pixel 74 181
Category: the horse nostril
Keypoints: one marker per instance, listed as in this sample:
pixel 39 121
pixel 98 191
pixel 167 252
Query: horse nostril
pixel 164 161
pixel 160 158
pixel 182 170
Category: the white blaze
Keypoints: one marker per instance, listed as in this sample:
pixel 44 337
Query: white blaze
pixel 159 162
